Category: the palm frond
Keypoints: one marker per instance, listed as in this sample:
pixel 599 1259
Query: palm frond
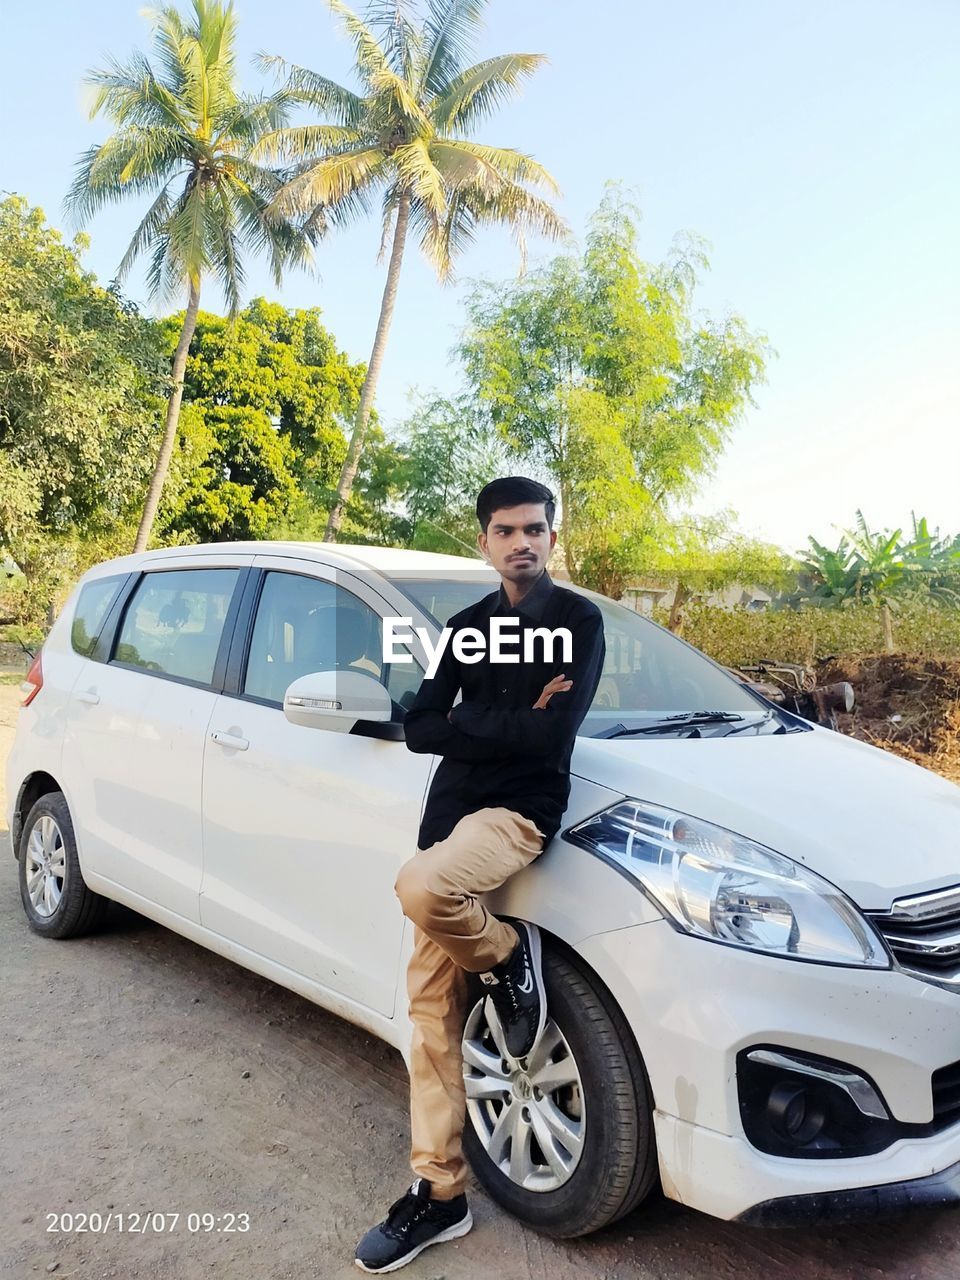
pixel 373 65
pixel 473 163
pixel 285 243
pixel 512 206
pixel 401 41
pixel 304 142
pixel 132 95
pixel 442 240
pixel 351 209
pixel 330 180
pixel 134 163
pixel 388 213
pixel 247 119
pixel 163 278
pixel 223 247
pixel 207 53
pixel 149 156
pixel 515 206
pixel 189 247
pixel 419 175
pixel 147 232
pixel 305 87
pixel 169 34
pixel 371 59
pixel 448 27
pixel 476 93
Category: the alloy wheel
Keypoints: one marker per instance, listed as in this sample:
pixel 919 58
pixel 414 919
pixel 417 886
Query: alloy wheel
pixel 46 866
pixel 528 1113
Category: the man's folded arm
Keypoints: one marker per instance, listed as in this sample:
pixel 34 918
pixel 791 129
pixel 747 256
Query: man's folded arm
pixel 426 727
pixel 541 729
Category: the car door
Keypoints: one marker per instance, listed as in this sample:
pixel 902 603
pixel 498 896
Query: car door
pixel 135 729
pixel 305 829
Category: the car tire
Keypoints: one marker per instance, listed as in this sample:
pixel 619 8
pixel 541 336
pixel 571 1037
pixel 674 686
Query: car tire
pixel 56 906
pixel 617 1165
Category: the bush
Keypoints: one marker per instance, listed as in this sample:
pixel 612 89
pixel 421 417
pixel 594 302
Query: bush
pixel 734 636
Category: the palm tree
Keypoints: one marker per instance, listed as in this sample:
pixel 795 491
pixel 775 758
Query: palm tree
pixel 185 135
pixel 404 137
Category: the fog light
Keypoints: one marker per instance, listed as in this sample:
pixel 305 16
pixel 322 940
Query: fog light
pixel 798 1104
pixel 794 1113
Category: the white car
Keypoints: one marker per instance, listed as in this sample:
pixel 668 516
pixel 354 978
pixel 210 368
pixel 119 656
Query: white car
pixel 751 923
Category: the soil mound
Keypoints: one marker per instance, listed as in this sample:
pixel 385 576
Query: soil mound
pixel 906 704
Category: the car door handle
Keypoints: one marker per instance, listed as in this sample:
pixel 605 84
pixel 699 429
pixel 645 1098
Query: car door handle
pixel 229 740
pixel 88 696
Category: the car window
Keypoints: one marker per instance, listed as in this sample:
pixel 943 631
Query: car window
pixel 174 622
pixel 93 604
pixel 648 673
pixel 306 624
pixel 441 598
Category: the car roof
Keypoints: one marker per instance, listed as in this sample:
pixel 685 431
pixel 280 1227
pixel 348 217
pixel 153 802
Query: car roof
pixel 341 554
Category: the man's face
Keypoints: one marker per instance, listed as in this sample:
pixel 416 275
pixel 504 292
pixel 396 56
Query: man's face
pixel 518 542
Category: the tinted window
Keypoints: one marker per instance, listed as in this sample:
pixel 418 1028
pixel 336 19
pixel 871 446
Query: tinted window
pixel 92 606
pixel 305 624
pixel 174 622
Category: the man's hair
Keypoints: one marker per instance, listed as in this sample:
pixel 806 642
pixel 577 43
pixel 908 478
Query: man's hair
pixel 513 491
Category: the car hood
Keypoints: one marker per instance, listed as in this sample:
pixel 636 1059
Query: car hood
pixel 872 823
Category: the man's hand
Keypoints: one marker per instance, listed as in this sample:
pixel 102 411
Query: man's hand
pixel 559 684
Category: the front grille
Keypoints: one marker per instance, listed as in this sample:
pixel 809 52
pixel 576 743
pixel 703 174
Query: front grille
pixel 946 1095
pixel 923 932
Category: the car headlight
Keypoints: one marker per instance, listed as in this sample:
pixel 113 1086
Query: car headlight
pixel 715 884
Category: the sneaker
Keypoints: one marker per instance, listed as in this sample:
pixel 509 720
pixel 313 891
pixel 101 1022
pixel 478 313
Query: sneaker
pixel 517 992
pixel 413 1222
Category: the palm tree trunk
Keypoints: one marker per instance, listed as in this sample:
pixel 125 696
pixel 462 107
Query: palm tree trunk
pixel 352 460
pixel 173 418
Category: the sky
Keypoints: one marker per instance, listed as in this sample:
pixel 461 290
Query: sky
pixel 813 145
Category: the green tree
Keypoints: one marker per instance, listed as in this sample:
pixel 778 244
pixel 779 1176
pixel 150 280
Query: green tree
pixel 404 136
pixel 81 383
pixel 232 477
pixel 829 576
pixel 878 565
pixel 700 555
pixel 597 369
pixel 433 470
pixel 185 137
pixel 262 434
pixel 933 563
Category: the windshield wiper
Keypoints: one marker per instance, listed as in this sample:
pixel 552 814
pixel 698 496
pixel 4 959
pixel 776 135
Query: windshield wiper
pixel 684 720
pixel 752 724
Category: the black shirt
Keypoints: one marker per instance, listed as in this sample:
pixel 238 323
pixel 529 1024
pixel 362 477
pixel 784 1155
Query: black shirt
pixel 498 750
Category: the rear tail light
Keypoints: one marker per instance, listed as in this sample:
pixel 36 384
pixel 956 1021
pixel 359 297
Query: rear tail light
pixel 33 683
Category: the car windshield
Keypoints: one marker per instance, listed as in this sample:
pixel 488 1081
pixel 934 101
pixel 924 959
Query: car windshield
pixel 649 675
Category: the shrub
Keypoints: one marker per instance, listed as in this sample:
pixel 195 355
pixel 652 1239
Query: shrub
pixel 734 636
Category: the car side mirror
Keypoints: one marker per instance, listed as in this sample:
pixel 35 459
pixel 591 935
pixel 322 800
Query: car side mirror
pixel 344 701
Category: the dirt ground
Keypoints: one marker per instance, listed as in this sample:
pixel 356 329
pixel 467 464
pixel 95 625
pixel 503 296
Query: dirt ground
pixel 141 1073
pixel 907 704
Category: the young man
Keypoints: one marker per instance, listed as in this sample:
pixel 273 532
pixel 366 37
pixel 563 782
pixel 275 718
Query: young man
pixel 496 800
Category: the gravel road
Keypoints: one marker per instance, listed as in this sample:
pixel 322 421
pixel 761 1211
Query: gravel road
pixel 139 1073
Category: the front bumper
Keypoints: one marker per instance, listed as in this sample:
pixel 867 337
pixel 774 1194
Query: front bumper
pixel 693 1005
pixel 934 1191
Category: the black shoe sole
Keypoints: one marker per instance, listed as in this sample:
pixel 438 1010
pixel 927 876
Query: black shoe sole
pixel 453 1232
pixel 536 959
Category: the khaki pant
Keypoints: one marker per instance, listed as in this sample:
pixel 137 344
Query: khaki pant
pixel 453 933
